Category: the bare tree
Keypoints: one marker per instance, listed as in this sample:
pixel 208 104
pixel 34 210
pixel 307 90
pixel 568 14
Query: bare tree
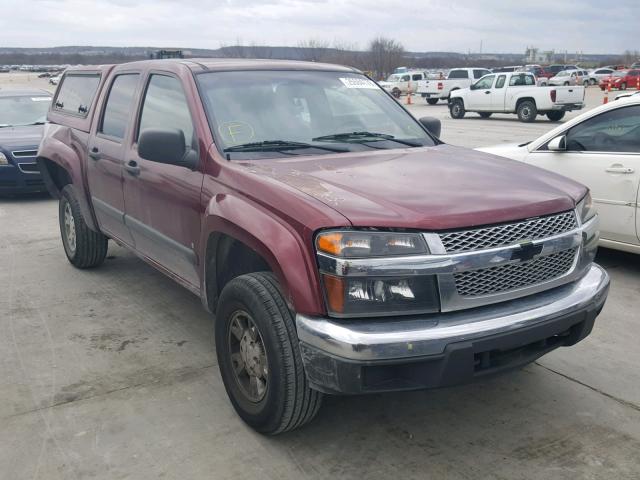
pixel 313 50
pixel 385 55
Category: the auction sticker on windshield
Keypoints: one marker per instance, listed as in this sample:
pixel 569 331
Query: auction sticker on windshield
pixel 351 82
pixel 40 99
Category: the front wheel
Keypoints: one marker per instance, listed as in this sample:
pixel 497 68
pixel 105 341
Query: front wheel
pixel 84 247
pixel 593 81
pixel 623 86
pixel 566 84
pixel 555 116
pixel 396 92
pixel 259 356
pixel 527 111
pixel 585 83
pixel 456 109
pixel 432 101
pixel 484 114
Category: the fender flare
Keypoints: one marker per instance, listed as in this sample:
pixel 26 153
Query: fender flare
pixel 64 153
pixel 281 246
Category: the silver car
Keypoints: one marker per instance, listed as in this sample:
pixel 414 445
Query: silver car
pixel 570 77
pixel 599 74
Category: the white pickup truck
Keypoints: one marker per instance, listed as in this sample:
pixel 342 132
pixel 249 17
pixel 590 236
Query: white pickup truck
pixel 440 89
pixel 515 93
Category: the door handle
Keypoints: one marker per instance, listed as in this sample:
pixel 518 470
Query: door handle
pixel 620 170
pixel 132 167
pixel 487 92
pixel 94 154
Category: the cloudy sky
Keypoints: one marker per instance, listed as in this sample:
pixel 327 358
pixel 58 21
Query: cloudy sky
pixel 420 25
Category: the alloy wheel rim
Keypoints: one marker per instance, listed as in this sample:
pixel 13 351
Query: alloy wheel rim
pixel 69 228
pixel 248 356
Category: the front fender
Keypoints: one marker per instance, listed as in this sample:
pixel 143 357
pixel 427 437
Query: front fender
pixel 277 242
pixel 63 147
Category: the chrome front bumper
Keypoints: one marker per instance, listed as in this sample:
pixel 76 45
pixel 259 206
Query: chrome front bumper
pixel 328 344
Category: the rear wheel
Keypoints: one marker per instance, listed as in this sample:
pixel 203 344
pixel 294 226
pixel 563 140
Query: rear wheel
pixel 259 356
pixel 623 86
pixel 396 92
pixel 432 101
pixel 527 111
pixel 593 81
pixel 566 84
pixel 84 247
pixel 456 109
pixel 484 114
pixel 555 116
pixel 586 83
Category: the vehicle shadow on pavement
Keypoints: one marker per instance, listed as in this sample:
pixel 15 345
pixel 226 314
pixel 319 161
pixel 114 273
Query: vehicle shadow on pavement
pixel 24 197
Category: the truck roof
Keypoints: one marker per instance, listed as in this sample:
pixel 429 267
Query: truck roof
pixel 228 64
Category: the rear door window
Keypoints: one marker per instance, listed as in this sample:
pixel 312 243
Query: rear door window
pixel 417 76
pixel 76 93
pixel 119 106
pixel 500 81
pixel 458 74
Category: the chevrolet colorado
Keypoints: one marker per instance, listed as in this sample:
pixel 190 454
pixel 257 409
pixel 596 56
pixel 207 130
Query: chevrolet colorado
pixel 342 246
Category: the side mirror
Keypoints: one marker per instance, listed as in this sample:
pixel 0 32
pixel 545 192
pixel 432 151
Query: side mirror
pixel 558 144
pixel 165 145
pixel 432 125
pixel 472 86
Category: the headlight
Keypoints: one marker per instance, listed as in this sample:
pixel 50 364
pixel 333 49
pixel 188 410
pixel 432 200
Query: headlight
pixel 370 244
pixel 586 209
pixel 358 296
pixel 3 159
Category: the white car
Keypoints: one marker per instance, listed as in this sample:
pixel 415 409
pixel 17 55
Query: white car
pixel 601 149
pixel 515 93
pixel 570 77
pixel 600 74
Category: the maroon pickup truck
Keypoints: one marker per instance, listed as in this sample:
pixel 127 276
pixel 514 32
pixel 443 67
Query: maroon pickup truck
pixel 342 246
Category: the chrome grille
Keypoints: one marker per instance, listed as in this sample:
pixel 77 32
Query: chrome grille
pixel 508 233
pixel 510 276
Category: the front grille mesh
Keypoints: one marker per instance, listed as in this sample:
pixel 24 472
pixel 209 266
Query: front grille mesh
pixel 509 233
pixel 511 276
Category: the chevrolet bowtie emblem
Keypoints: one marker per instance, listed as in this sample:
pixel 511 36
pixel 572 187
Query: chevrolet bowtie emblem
pixel 526 251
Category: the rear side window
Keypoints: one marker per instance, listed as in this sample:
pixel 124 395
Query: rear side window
pixel 458 74
pixel 417 76
pixel 500 81
pixel 521 80
pixel 119 106
pixel 165 106
pixel 76 94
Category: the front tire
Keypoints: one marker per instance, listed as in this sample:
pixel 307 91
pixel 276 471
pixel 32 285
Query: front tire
pixel 396 92
pixel 259 356
pixel 432 101
pixel 555 116
pixel 456 109
pixel 623 86
pixel 527 111
pixel 84 247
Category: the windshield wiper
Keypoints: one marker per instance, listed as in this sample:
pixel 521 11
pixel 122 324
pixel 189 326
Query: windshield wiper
pixel 362 137
pixel 275 145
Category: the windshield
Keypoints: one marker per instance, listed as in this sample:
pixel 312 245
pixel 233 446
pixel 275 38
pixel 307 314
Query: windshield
pixel 563 73
pixel 620 73
pixel 23 110
pixel 276 113
pixel 394 78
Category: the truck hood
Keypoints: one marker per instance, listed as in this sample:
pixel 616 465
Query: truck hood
pixel 27 136
pixel 430 188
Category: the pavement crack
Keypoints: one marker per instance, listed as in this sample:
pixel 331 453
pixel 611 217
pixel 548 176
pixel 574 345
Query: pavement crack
pixel 174 378
pixel 621 401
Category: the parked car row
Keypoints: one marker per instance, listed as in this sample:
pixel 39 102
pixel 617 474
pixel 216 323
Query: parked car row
pixel 621 80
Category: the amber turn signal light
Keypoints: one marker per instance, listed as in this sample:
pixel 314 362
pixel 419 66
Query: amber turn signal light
pixel 334 288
